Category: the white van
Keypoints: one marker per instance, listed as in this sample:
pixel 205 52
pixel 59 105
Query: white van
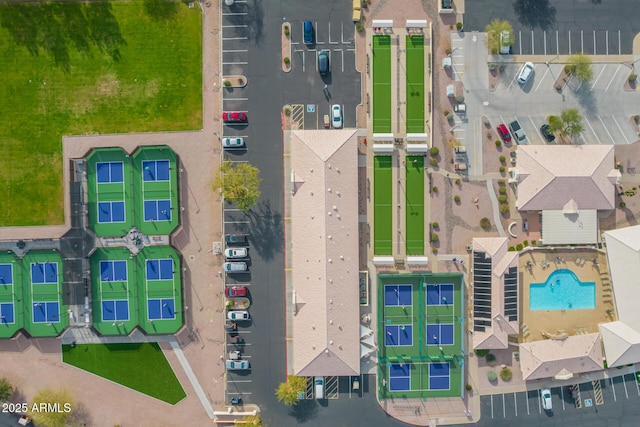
pixel 318 385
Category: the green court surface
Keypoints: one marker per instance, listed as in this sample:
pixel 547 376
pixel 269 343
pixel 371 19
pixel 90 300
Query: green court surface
pixel 88 68
pixel 415 84
pixel 381 84
pixel 415 205
pixel 406 337
pixel 140 366
pixel 382 208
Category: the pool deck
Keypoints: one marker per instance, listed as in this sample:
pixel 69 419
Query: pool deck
pixel 572 322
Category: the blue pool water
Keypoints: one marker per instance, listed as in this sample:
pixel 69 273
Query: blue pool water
pixel 562 291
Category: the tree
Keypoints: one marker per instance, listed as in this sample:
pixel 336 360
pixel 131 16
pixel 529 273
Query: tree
pixel 494 29
pixel 579 66
pixel 51 418
pixel 251 420
pixel 238 183
pixel 288 392
pixel 5 390
pixel 569 123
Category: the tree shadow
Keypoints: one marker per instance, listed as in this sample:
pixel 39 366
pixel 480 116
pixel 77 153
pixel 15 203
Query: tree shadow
pixel 161 9
pixel 304 410
pixel 535 13
pixel 56 28
pixel 266 230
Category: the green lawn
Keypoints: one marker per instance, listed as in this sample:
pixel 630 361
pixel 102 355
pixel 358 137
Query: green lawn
pixel 381 84
pixel 71 68
pixel 382 209
pixel 415 205
pixel 415 84
pixel 141 367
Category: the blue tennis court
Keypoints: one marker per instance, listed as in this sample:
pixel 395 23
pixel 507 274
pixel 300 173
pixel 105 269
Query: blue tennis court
pixel 46 312
pixel 115 310
pixel 110 172
pixel 398 335
pixel 113 271
pixel 439 378
pixel 399 377
pixel 155 170
pixel 7 312
pixel 6 274
pixel 161 309
pixel 439 294
pixel 44 272
pixel 157 210
pixel 110 212
pixel 440 334
pixel 396 295
pixel 159 269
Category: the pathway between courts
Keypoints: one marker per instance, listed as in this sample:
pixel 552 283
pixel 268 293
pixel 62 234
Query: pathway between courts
pixel 192 377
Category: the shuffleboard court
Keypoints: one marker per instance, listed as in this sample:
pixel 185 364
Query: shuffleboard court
pixel 381 84
pixel 382 210
pixel 415 84
pixel 415 205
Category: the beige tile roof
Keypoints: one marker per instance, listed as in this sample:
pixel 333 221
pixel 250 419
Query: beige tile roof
pixel 324 252
pixel 621 343
pixel 548 358
pixel 549 176
pixel 497 336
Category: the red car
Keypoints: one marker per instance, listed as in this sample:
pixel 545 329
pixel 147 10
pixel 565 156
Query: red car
pixel 234 116
pixel 504 133
pixel 236 291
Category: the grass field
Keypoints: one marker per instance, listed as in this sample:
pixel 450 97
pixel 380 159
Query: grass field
pixel 415 84
pixel 142 367
pixel 381 84
pixel 415 205
pixel 71 68
pixel 382 210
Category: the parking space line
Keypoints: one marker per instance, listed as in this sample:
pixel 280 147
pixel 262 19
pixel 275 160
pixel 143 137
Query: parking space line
pixel 539 403
pixel 234 14
pixel 520 41
pixel 535 127
pixel 504 408
pixel 533 48
pixel 562 397
pixel 526 398
pixel 234 63
pixel 569 42
pixel 542 78
pixel 239 381
pixel 224 39
pixel 613 388
pixel 241 393
pixel 544 34
pixel 606 129
pixel 235 99
pixel 246 343
pixel 236 222
pixel 613 77
pixel 317 39
pixel 557 44
pixel 515 402
pixel 234 26
pixel 594 42
pixel 598 78
pixel 606 37
pixel 330 42
pixel 592 131
pixel 617 124
pixel 619 44
pixel 581 41
pixel 492 406
pixel 624 384
pixel 234 50
pixel 232 210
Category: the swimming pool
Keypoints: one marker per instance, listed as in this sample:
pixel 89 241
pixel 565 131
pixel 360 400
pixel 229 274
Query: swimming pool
pixel 562 291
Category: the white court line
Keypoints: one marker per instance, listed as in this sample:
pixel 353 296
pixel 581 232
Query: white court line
pixel 617 124
pixel 543 76
pixel 606 129
pixel 234 38
pixel 597 78
pixel 592 131
pixel 612 77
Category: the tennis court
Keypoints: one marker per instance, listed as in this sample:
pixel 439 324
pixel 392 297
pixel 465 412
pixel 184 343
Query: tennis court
pixel 415 205
pixel 382 208
pixel 421 331
pixel 415 84
pixel 381 84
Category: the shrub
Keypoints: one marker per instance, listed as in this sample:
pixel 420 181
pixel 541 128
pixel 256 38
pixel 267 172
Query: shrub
pixel 498 143
pixel 504 208
pixel 456 199
pixel 359 26
pixel 226 82
pixel 433 161
pixel 502 159
pixel 434 237
pixel 569 69
pixel 434 249
pixel 286 30
pixel 458 181
pixel 511 249
pixel 501 182
pixel 460 99
pixel 435 225
pixel 502 190
pixel 489 134
pixel 519 247
pixel 434 189
pixel 502 169
pixel 623 205
pixel 446 112
pixel 287 60
pixel 241 81
pixel 450 116
pixel 468 387
pixel 492 66
pixel 534 243
pixel 633 78
pixel 434 151
pixel 485 224
pixel 502 198
pixel 505 374
pixel 287 111
pixel 481 353
pixel 491 376
pixel 491 359
pixel 525 243
pixel 458 26
pixel 636 118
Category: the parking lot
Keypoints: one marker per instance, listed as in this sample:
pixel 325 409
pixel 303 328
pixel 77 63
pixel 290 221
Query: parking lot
pixel 592 396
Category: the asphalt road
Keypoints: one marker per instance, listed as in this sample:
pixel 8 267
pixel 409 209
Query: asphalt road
pixel 559 26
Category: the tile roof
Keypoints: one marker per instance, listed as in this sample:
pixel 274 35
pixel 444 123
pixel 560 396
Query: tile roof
pixel 621 343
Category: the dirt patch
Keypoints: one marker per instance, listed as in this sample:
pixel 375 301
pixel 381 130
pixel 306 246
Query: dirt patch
pixel 495 73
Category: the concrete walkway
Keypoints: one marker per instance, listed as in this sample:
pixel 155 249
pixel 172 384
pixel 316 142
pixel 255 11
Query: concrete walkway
pixel 192 377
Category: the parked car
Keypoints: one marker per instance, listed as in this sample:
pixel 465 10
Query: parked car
pixel 324 65
pixel 318 383
pixel 505 43
pixel 545 396
pixel 232 142
pixel 234 116
pixel 504 133
pixel 238 315
pixel 237 364
pixel 336 116
pixel 235 291
pixel 460 109
pixel 525 73
pixel 235 239
pixel 236 252
pixel 307 29
pixel 517 132
pixel 545 130
pixel 234 267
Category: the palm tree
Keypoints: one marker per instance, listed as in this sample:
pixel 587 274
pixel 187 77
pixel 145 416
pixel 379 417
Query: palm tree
pixel 569 123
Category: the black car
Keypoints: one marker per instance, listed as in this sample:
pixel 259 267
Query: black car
pixel 546 132
pixel 324 65
pixel 235 239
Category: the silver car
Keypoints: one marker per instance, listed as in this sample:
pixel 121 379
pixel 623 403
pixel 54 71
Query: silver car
pixel 238 315
pixel 231 253
pixel 234 267
pixel 237 364
pixel 232 142
pixel 336 116
pixel 545 396
pixel 525 73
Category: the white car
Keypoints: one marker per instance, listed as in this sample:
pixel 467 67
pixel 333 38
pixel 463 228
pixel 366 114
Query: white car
pixel 236 364
pixel 545 396
pixel 336 116
pixel 238 315
pixel 525 73
pixel 236 253
pixel 232 142
pixel 234 267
